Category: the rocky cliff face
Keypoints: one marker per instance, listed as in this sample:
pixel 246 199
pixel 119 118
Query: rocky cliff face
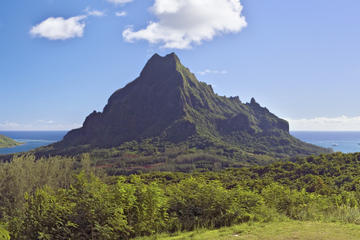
pixel 167 102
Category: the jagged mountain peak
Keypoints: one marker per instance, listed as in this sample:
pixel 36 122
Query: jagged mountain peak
pixel 160 65
pixel 166 102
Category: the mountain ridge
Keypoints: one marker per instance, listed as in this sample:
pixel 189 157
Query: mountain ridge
pixel 167 105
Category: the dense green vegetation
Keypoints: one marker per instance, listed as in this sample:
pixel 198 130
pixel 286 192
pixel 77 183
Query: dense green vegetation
pixel 194 154
pixel 6 142
pixel 4 235
pixel 66 198
pixel 166 109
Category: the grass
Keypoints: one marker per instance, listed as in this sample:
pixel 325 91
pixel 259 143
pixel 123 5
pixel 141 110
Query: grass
pixel 292 230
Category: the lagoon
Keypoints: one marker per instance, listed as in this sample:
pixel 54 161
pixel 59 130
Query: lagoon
pixel 31 139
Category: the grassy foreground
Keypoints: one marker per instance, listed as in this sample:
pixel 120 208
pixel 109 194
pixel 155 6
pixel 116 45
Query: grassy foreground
pixel 292 230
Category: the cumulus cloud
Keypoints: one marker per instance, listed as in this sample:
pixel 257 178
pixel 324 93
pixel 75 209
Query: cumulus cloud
pixel 119 1
pixel 60 28
pixel 121 14
pixel 210 71
pixel 182 23
pixel 342 123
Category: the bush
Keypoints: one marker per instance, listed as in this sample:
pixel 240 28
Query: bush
pixel 246 206
pixel 91 209
pixel 196 203
pixel 4 235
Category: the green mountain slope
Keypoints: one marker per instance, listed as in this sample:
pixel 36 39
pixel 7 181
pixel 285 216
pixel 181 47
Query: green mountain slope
pixel 6 142
pixel 166 107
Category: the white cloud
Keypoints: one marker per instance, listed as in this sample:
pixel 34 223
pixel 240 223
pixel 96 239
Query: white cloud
pixel 209 71
pixel 9 126
pixel 38 125
pixel 96 13
pixel 342 123
pixel 46 121
pixel 181 23
pixel 119 1
pixel 121 14
pixel 60 28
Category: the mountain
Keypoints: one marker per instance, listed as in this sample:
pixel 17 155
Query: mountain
pixel 6 142
pixel 166 109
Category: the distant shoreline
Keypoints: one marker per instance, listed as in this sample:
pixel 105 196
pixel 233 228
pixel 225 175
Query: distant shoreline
pixel 7 142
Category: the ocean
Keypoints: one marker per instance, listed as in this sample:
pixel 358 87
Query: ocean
pixel 31 139
pixel 346 142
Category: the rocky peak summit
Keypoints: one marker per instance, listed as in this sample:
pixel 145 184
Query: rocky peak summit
pixel 156 63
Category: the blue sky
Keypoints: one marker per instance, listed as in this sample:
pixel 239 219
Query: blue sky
pixel 62 59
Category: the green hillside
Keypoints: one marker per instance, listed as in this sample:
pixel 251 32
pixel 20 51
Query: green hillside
pixel 6 142
pixel 167 118
pixel 290 230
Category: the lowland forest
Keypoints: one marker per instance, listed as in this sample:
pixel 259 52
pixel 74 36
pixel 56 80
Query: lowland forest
pixel 168 158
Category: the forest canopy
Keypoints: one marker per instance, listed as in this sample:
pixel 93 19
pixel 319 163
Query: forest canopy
pixel 66 198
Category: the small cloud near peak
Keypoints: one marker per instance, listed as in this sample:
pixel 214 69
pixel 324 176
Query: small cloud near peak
pixel 94 12
pixel 119 2
pixel 121 14
pixel 210 71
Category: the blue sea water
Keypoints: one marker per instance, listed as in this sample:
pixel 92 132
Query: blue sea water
pixel 346 142
pixel 31 139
